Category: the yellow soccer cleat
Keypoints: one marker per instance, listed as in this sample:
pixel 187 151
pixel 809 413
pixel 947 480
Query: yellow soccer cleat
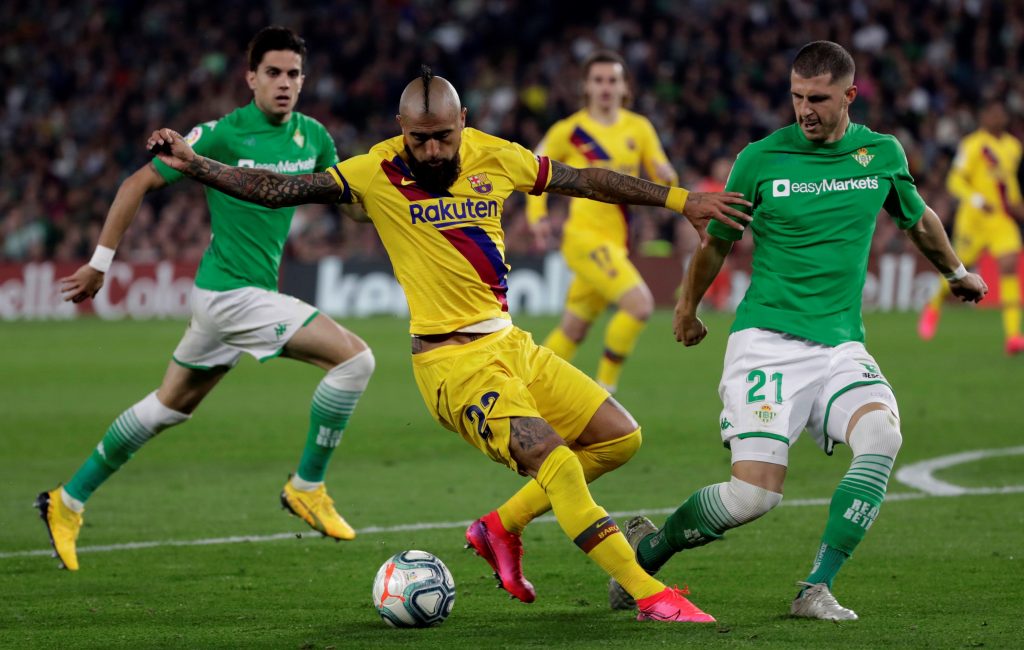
pixel 316 508
pixel 63 524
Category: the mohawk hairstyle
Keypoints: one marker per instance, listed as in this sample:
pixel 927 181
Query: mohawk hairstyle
pixel 426 75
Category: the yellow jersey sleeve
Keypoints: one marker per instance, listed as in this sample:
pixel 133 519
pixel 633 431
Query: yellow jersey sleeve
pixel 354 176
pixel 1012 182
pixel 964 164
pixel 653 154
pixel 528 172
pixel 553 145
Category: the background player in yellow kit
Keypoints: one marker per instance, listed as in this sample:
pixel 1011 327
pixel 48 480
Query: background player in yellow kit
pixel 984 179
pixel 435 195
pixel 596 236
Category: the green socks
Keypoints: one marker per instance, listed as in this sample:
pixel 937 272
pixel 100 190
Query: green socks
pixel 328 418
pixel 854 507
pixel 132 429
pixel 700 520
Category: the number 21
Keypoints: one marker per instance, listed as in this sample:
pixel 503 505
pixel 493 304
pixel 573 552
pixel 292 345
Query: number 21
pixel 759 379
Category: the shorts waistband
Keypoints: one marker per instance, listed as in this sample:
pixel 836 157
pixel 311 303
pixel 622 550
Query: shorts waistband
pixel 478 342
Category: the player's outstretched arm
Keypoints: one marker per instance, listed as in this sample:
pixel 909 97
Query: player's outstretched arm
pixel 704 268
pixel 87 280
pixel 255 185
pixel 612 187
pixel 930 238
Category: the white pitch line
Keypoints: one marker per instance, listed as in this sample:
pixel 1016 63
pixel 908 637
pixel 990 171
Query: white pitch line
pixel 367 530
pixel 920 476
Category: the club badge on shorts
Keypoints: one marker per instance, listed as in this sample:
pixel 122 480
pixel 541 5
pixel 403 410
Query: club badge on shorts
pixel 765 414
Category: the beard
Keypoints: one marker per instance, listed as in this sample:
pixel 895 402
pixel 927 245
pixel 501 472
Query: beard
pixel 435 178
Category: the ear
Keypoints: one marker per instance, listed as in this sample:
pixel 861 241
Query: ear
pixel 851 94
pixel 462 117
pixel 250 78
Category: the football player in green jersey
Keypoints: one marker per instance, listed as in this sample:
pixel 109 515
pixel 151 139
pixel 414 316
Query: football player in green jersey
pixel 795 357
pixel 235 304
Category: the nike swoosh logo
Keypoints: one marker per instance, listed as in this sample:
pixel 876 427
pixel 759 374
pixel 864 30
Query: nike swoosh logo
pixel 407 181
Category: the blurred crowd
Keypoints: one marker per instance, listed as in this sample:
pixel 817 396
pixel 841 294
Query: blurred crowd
pixel 87 81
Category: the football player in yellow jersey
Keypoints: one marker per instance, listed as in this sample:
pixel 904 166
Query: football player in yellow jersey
pixel 984 179
pixel 435 195
pixel 595 239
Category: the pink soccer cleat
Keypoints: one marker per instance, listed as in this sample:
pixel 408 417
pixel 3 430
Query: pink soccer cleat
pixel 671 606
pixel 504 552
pixel 1015 345
pixel 929 323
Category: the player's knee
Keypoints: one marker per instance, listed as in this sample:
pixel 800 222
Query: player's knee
pixel 154 416
pixel 638 303
pixel 746 501
pixel 576 331
pixel 353 374
pixel 611 454
pixel 876 432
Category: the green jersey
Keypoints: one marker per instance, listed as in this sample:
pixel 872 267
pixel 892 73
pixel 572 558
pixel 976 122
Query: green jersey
pixel 247 240
pixel 815 208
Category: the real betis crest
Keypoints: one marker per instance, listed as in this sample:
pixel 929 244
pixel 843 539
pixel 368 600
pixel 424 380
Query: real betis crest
pixel 862 156
pixel 298 138
pixel 765 414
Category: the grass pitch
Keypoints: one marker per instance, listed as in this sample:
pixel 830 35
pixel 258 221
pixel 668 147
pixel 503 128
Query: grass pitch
pixel 934 572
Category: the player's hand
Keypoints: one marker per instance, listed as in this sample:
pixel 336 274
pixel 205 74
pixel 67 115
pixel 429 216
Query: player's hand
pixel 970 288
pixel 83 283
pixel 542 235
pixel 170 148
pixel 689 329
pixel 702 207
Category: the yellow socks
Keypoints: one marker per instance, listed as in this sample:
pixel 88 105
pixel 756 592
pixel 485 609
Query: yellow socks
pixel 561 344
pixel 619 340
pixel 531 502
pixel 940 295
pixel 1009 296
pixel 588 524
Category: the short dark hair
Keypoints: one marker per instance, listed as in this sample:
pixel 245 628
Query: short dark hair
pixel 608 56
pixel 274 38
pixel 820 57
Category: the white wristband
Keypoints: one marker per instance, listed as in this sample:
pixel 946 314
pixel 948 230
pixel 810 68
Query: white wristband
pixel 102 258
pixel 959 273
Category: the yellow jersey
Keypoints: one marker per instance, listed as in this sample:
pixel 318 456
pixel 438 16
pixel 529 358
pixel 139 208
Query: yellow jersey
pixel 447 249
pixel 985 168
pixel 581 141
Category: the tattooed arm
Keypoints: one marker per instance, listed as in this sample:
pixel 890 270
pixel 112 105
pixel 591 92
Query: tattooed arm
pixel 612 187
pixel 256 185
pixel 604 185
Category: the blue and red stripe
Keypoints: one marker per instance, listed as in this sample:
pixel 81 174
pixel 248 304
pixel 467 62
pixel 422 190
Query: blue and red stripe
pixel 481 252
pixel 588 146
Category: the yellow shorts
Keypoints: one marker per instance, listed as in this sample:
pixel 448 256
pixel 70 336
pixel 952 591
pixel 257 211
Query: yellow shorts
pixel 602 273
pixel 474 389
pixel 999 235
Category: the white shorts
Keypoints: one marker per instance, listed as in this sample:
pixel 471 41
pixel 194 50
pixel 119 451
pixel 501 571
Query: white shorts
pixel 227 323
pixel 775 385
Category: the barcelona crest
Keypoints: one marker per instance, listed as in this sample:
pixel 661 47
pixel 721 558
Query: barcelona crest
pixel 862 156
pixel 480 183
pixel 765 414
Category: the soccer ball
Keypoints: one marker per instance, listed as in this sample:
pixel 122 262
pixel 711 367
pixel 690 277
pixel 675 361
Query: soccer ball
pixel 413 589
